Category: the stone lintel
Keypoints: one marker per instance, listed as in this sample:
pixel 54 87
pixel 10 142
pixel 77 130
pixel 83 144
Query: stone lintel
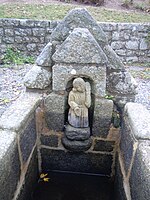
pixel 62 73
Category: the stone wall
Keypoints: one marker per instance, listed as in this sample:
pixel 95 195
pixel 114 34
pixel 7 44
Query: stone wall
pixel 133 167
pixel 18 150
pixel 30 36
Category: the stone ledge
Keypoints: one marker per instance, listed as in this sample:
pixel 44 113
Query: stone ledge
pixel 9 164
pixel 139 120
pixel 140 174
pixel 18 113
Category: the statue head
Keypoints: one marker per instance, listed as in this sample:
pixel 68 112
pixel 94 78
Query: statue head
pixel 79 85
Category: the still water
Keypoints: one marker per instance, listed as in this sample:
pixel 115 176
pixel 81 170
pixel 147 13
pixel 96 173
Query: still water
pixel 71 186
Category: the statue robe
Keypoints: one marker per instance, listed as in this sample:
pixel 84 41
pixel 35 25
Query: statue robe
pixel 83 102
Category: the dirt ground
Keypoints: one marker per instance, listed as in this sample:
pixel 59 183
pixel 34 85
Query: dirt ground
pixel 111 4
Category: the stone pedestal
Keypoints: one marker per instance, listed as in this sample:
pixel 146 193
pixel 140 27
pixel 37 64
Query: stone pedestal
pixel 77 139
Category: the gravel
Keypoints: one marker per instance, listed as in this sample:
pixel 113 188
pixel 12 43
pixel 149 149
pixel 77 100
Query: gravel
pixel 143 90
pixel 11 85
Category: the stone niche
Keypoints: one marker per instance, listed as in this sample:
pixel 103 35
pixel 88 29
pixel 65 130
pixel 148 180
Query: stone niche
pixel 79 48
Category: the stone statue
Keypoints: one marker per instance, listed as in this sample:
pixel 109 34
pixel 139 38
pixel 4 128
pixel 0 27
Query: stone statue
pixel 79 101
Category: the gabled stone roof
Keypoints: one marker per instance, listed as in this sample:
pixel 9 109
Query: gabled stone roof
pixel 80 47
pixel 78 18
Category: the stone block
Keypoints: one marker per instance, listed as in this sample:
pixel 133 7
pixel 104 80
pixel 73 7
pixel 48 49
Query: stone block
pixel 23 32
pixel 78 17
pixel 102 117
pixel 76 161
pixel 76 145
pixel 62 74
pixel 31 47
pixel 117 45
pixel 9 32
pixel 127 144
pixel 119 185
pixel 139 120
pixel 16 116
pixel 114 61
pixel 9 165
pixel 38 32
pixel 8 40
pixel 132 58
pixel 73 133
pixel 103 145
pixel 10 22
pixel 31 178
pixel 80 134
pixel 37 77
pixel 121 83
pixel 41 23
pixel 27 139
pixel 121 52
pixel 45 57
pixel 132 45
pixel 140 174
pixel 55 111
pixel 49 140
pixel 108 26
pixel 144 44
pixel 80 47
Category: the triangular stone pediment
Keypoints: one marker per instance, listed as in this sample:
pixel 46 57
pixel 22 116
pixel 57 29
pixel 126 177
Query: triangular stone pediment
pixel 81 18
pixel 78 18
pixel 80 47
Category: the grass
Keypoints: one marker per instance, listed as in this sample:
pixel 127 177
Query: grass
pixel 14 56
pixel 56 12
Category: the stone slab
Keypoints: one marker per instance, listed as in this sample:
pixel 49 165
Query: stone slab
pixel 139 119
pixel 78 134
pixel 18 113
pixel 78 17
pixel 76 161
pixel 28 139
pixel 49 140
pixel 140 174
pixel 80 47
pixel 9 164
pixel 31 179
pixel 102 117
pixel 114 61
pixel 54 111
pixel 37 78
pixel 103 145
pixel 74 145
pixel 45 57
pixel 62 74
pixel 127 143
pixel 121 83
pixel 119 186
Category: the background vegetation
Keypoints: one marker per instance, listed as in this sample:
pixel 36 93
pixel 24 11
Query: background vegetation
pixel 58 11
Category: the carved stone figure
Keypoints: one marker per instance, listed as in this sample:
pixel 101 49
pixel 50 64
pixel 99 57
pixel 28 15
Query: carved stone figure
pixel 79 101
